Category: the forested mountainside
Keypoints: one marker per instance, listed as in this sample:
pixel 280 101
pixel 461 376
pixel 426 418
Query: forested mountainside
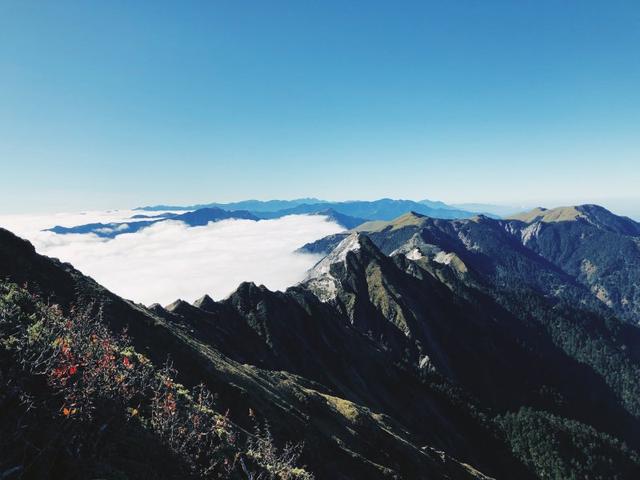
pixel 416 348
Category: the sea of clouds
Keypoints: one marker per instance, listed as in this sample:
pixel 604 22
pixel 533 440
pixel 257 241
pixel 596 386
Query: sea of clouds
pixel 170 260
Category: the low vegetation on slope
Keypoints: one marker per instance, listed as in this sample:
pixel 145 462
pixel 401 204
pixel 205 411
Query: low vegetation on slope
pixel 79 402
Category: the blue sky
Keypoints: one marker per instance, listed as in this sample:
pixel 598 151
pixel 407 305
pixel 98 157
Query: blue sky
pixel 118 104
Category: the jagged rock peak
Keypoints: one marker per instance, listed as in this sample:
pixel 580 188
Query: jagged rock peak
pixel 320 280
pixel 205 302
pixel 248 288
pixel 157 309
pixel 416 248
pixel 247 293
pixel 353 243
pixel 178 304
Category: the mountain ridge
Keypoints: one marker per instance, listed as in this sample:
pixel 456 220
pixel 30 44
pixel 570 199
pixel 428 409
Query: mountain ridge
pixel 271 398
pixel 591 213
pixel 410 338
pixel 556 251
pixel 193 219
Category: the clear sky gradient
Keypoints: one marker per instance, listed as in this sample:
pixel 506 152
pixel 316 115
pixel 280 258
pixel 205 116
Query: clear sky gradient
pixel 109 104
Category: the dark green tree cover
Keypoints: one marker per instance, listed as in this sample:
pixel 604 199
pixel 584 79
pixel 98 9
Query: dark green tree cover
pixel 560 449
pixel 605 344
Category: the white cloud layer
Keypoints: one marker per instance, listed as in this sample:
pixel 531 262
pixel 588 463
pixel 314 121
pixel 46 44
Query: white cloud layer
pixel 170 260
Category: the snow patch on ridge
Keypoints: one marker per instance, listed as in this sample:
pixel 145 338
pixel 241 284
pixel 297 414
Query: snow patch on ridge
pixel 467 242
pixel 444 258
pixel 337 255
pixel 319 278
pixel 532 231
pixel 416 248
pixel 414 254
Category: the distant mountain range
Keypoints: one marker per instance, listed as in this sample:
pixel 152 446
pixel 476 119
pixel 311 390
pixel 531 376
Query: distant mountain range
pixel 418 347
pixel 491 209
pixel 383 209
pixel 196 218
pixel 347 214
pixel 252 205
